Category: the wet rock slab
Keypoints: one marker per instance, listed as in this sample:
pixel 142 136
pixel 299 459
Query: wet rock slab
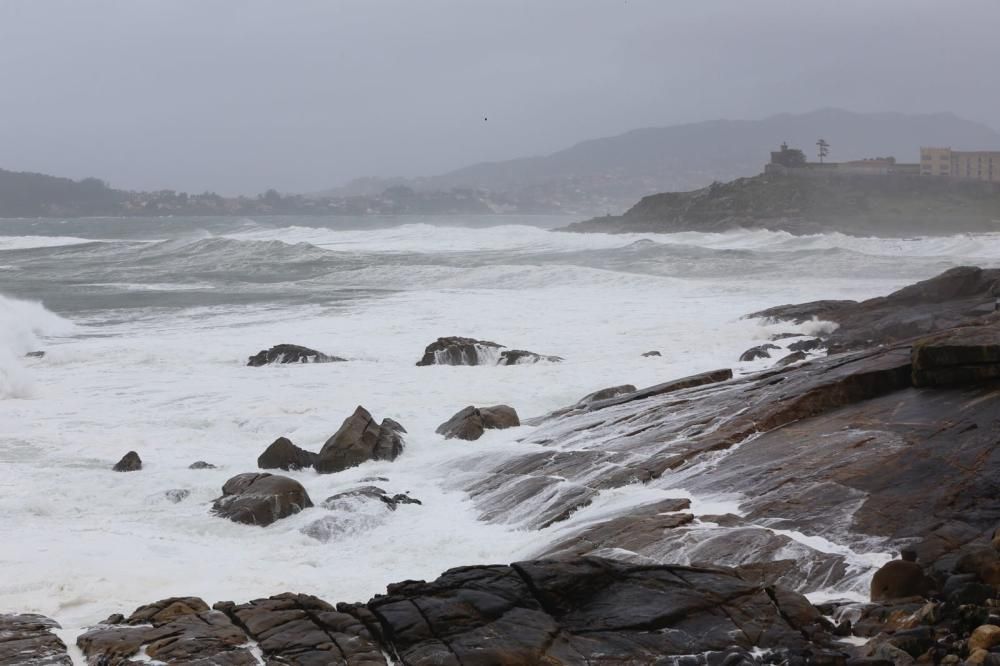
pixel 589 611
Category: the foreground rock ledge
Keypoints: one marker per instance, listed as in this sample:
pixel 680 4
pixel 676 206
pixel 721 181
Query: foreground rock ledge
pixel 545 612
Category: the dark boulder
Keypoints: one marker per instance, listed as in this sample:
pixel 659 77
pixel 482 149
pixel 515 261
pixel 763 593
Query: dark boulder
pixel 29 640
pixel 290 354
pixel 758 352
pixel 282 454
pixel 899 579
pixel 130 462
pixel 260 499
pixel 460 351
pixel 201 464
pixel 794 357
pixel 652 353
pixel 359 440
pixel 470 422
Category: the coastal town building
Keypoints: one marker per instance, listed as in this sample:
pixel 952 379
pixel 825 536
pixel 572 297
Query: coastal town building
pixel 793 160
pixel 970 164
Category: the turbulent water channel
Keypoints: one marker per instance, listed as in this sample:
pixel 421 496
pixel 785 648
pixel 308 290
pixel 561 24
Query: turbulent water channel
pixel 147 324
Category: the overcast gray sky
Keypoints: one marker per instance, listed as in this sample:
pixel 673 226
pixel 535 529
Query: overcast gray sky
pixel 240 95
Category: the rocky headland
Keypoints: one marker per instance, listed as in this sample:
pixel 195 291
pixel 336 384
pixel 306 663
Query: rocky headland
pixel 881 205
pixel 882 454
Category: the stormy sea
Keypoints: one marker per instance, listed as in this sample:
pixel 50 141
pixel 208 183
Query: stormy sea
pixel 146 327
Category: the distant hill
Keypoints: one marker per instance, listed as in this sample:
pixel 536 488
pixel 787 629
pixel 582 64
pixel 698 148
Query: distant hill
pixel 609 174
pixel 805 203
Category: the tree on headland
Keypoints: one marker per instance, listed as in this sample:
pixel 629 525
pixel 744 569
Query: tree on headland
pixel 824 149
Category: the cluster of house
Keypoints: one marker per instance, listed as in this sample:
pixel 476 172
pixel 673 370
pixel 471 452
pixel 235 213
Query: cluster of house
pixel 975 165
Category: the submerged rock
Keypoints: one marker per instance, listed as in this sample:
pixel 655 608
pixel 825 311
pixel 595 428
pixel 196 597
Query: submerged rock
pixel 201 464
pixel 28 640
pixel 359 440
pixel 290 354
pixel 282 454
pixel 130 462
pixel 471 422
pixel 758 352
pixel 260 499
pixel 35 354
pixel 176 495
pixel 354 511
pixel 650 354
pixel 521 357
pixel 469 351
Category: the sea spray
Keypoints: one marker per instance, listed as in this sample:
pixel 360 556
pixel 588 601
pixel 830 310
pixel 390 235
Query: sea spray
pixel 22 324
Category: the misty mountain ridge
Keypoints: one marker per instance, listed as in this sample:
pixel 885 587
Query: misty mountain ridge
pixel 610 174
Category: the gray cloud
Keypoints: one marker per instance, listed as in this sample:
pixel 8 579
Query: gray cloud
pixel 241 95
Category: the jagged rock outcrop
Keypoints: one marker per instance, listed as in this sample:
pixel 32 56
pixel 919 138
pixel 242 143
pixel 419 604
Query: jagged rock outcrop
pixel 468 351
pixel 27 640
pixel 290 354
pixel 260 499
pixel 130 462
pixel 554 612
pixel 282 454
pixel 179 630
pixel 954 298
pixel 358 440
pixel 302 629
pixel 471 422
pixel 845 447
